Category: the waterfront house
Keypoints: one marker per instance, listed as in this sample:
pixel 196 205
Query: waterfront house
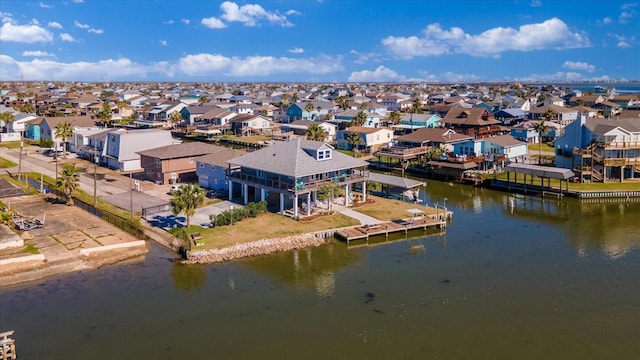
pixel 563 115
pixel 409 122
pixel 347 116
pixel 121 146
pixel 525 131
pixel 217 116
pixel 289 174
pixel 247 124
pixel 477 122
pixel 372 138
pixel 173 163
pixel 299 127
pixel 297 111
pixel 599 149
pixel 212 168
pixel 510 116
pixel 494 151
pixel 431 138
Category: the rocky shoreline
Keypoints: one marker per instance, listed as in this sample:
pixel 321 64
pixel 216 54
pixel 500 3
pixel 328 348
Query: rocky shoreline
pixel 254 248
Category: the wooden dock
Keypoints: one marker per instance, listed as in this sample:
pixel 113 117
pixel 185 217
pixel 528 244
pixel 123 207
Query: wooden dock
pixel 364 232
pixel 7 346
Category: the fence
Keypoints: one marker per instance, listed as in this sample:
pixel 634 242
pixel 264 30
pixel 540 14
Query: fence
pixel 113 219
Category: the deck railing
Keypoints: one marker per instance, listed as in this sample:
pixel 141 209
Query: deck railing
pixel 402 151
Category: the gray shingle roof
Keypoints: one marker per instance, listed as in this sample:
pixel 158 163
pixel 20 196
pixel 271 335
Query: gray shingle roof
pixel 295 158
pixel 183 150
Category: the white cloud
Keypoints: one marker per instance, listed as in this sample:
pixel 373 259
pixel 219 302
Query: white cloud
pixel 607 20
pixel 364 58
pixel 185 21
pixel 164 43
pixel 213 23
pixel 624 41
pixel 68 38
pixel 80 25
pixel 78 1
pixel 45 6
pixel 215 64
pixel 251 14
pixel 550 34
pixel 578 65
pixel 628 12
pixel 96 31
pixel 168 22
pixel 54 25
pixel 558 76
pixel 535 3
pixel 624 45
pixel 292 12
pixel 24 33
pixel 296 50
pixel 380 74
pixel 37 53
pixel 455 77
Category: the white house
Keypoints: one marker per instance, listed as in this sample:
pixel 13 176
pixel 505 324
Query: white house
pixel 372 138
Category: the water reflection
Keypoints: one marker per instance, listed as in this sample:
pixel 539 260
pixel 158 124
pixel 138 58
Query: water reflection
pixel 188 278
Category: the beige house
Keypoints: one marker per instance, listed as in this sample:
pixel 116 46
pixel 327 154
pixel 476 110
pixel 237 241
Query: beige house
pixel 173 163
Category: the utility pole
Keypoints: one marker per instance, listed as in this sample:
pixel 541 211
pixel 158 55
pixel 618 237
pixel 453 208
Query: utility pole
pixel 20 162
pixel 130 198
pixel 95 175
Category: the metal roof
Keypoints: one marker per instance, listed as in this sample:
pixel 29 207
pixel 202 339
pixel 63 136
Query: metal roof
pixel 541 171
pixel 396 181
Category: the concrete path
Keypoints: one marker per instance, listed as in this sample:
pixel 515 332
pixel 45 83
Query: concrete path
pixel 364 219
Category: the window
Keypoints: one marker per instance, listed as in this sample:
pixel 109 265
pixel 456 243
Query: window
pixel 202 165
pixel 113 138
pixel 156 163
pixel 190 160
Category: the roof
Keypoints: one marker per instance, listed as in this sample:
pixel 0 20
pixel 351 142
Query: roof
pixel 440 135
pixel 454 165
pixel 175 151
pixel 397 181
pixel 469 116
pixel 541 171
pixel 505 140
pixel 220 156
pixel 295 158
pixel 601 126
pixel 364 130
pixel 80 121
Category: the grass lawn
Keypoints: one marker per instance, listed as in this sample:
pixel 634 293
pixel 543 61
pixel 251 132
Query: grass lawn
pixel 4 163
pixel 389 209
pixel 264 226
pixel 536 147
pixel 270 225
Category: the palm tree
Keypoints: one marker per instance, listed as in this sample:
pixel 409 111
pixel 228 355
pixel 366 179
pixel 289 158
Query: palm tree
pixel 7 118
pixel 175 117
pixel 202 100
pixel 68 182
pixel 309 107
pixel 416 105
pixel 550 115
pixel 542 129
pixel 327 192
pixel 316 133
pixel 64 131
pixel 105 114
pixel 354 140
pixel 360 119
pixel 395 118
pixel 187 199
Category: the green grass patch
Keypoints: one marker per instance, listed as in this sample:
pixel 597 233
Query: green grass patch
pixel 536 147
pixel 30 249
pixel 4 163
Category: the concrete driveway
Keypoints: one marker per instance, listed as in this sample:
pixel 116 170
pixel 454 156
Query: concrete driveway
pixel 167 220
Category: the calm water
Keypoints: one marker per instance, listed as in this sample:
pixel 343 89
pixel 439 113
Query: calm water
pixel 544 279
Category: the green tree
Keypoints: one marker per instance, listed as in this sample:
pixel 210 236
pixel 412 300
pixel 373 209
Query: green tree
pixel 542 129
pixel 354 140
pixel 316 133
pixel 395 117
pixel 328 191
pixel 7 118
pixel 360 119
pixel 416 105
pixel 187 199
pixel 64 131
pixel 309 107
pixel 104 115
pixel 68 181
pixel 202 100
pixel 175 118
pixel 28 108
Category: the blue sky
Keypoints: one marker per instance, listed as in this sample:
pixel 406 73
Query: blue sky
pixel 319 40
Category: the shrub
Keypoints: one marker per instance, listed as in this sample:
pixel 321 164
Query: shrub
pixel 228 217
pixel 45 143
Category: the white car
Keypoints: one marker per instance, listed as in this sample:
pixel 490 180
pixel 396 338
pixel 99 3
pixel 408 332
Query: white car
pixel 174 188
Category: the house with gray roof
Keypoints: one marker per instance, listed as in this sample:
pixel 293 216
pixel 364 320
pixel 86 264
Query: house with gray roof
pixel 212 168
pixel 289 174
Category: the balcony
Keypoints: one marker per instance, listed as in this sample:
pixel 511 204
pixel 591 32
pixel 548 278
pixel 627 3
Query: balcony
pixel 622 145
pixel 622 162
pixel 301 187
pixel 402 152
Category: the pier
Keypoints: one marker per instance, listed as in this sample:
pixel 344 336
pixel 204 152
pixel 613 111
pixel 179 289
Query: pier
pixel 364 232
pixel 7 346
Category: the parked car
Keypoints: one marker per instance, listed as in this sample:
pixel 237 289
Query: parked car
pixel 211 194
pixel 174 188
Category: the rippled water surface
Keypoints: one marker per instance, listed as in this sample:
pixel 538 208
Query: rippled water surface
pixel 513 277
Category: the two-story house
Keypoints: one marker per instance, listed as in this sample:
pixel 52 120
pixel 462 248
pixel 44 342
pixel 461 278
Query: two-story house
pixel 212 168
pixel 247 124
pixel 371 138
pixel 121 147
pixel 173 163
pixel 289 174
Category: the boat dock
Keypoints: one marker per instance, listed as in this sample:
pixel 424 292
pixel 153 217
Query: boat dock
pixel 364 232
pixel 7 346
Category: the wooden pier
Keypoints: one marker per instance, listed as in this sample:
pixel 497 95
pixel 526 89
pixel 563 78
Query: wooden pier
pixel 364 232
pixel 7 346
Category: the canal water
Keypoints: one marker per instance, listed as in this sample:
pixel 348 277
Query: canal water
pixel 514 277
